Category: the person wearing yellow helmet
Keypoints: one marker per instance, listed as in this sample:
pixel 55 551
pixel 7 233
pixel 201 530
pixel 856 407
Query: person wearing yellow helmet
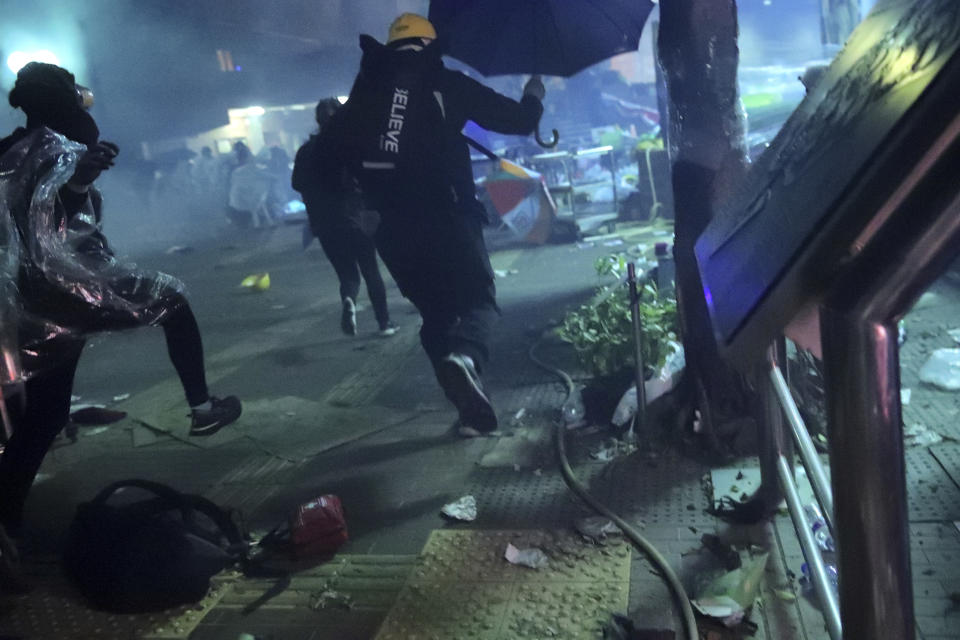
pixel 401 136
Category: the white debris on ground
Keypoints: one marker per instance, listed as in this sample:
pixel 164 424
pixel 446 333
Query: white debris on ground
pixel 533 558
pixel 464 509
pixel 942 370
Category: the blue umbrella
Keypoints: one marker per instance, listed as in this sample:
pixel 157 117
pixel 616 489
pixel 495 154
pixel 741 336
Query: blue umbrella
pixel 546 37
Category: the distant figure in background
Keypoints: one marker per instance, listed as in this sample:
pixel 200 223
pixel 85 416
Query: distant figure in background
pixel 278 166
pixel 68 281
pixel 334 209
pixel 206 170
pixel 249 191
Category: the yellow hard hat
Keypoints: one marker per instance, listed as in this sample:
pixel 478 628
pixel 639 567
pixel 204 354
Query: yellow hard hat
pixel 410 25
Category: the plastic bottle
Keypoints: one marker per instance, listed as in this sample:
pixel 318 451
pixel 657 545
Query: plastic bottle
pixel 573 411
pixel 806 580
pixel 821 532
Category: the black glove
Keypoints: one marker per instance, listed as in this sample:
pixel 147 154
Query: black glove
pixel 535 88
pixel 93 162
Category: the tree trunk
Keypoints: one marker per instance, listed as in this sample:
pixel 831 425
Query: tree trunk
pixel 699 54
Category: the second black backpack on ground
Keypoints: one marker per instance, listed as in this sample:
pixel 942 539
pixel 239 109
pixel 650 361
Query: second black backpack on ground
pixel 148 554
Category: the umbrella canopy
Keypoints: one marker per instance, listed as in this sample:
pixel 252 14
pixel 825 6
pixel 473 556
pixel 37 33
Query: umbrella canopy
pixel 521 200
pixel 548 37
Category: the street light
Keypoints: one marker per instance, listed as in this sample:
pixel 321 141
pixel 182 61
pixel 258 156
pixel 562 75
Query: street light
pixel 19 59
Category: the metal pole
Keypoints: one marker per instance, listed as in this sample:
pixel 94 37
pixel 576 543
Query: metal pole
pixel 637 345
pixel 811 461
pixel 771 437
pixel 818 571
pixel 869 475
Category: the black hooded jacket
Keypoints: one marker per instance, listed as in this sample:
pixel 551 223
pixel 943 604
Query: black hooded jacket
pixel 461 98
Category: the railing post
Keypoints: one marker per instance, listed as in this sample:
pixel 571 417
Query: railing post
pixel 862 374
pixel 772 437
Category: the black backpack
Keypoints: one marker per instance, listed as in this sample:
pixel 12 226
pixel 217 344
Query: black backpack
pixel 149 554
pixel 397 143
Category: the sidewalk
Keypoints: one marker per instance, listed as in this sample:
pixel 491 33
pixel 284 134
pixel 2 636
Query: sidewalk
pixel 363 418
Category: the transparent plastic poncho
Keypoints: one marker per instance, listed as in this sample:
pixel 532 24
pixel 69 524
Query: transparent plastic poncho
pixel 60 279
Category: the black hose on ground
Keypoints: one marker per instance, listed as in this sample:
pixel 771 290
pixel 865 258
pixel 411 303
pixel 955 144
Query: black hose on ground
pixel 644 545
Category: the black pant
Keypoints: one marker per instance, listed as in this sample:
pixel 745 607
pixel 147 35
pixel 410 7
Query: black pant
pixel 441 265
pixel 45 410
pixel 353 254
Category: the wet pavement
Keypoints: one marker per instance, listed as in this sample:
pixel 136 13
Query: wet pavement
pixel 364 419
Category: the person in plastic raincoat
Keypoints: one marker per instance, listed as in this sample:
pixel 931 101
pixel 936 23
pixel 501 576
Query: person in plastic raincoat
pixel 67 281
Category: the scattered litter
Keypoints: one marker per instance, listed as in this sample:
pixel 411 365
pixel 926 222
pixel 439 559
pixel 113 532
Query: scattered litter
pixel 722 551
pixel 331 599
pixel 918 435
pixel 729 595
pixel 538 472
pixel 464 509
pixel 660 233
pixel 96 415
pixel 518 416
pixel 942 369
pixel 500 273
pixel 179 248
pixel 584 245
pixel 905 396
pixel 785 595
pixel 74 399
pixel 955 334
pixel 95 431
pixel 595 529
pixel 256 282
pixel 613 448
pixel 533 558
pixel 658 385
pixel 613 243
pixel 121 397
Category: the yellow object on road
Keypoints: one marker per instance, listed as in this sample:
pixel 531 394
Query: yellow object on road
pixel 257 282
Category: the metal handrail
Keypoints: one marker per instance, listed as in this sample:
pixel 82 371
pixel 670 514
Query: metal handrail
pixel 818 570
pixel 808 452
pixel 779 390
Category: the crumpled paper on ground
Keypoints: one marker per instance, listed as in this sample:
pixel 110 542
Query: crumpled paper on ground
pixel 918 435
pixel 942 369
pixel 464 509
pixel 533 558
pixel 729 595
pixel 596 528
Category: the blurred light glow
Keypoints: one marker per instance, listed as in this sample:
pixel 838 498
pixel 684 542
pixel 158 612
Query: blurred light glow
pixel 19 59
pixel 342 99
pixel 254 111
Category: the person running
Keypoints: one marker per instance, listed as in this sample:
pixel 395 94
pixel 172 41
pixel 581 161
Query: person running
pixel 68 281
pixel 402 137
pixel 335 212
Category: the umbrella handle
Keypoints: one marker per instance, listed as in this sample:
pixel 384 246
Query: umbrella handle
pixel 547 145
